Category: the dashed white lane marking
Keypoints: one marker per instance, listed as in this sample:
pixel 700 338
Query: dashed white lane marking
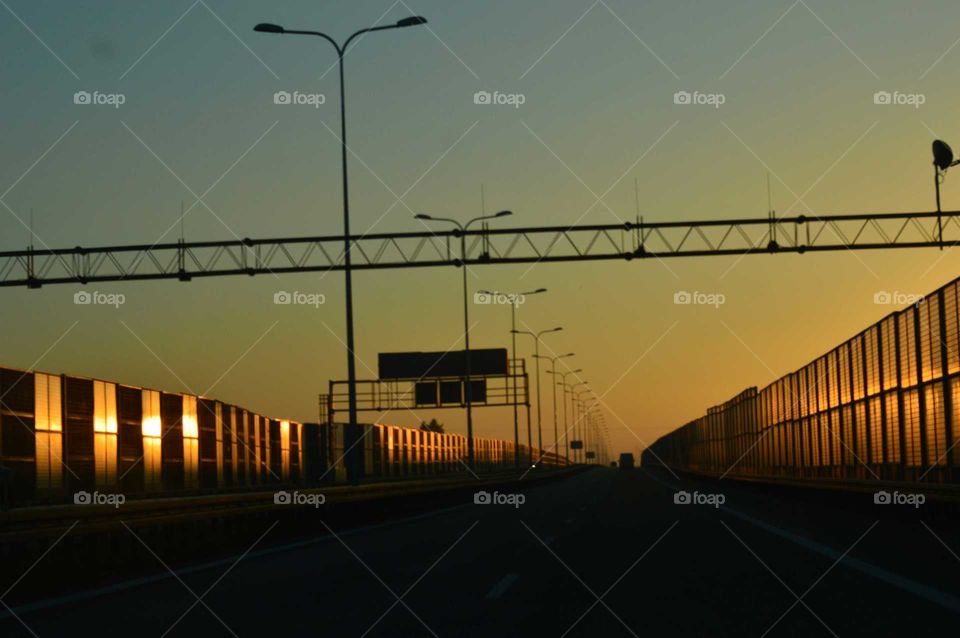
pixel 501 587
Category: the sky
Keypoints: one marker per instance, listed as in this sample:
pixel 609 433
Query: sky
pixel 786 91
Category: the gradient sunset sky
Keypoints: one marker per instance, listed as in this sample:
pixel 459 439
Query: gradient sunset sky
pixel 598 78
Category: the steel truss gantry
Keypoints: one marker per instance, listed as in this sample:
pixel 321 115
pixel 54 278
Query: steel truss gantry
pixel 36 267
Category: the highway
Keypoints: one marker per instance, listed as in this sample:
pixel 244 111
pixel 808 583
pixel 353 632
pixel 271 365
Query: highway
pixel 602 553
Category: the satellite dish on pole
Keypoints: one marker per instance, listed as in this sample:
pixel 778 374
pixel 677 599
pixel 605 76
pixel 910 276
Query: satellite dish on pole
pixel 942 155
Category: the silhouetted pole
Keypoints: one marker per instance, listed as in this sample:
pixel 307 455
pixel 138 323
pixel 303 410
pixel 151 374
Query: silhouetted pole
pixel 468 390
pixel 553 373
pixel 936 184
pixel 578 424
pixel 513 347
pixel 529 425
pixel 566 433
pixel 589 425
pixel 566 421
pixel 354 466
pixel 536 355
pixel 514 302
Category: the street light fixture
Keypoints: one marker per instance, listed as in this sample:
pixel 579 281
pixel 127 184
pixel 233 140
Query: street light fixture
pixel 553 371
pixel 536 350
pixel 514 302
pixel 942 160
pixel 354 467
pixel 462 232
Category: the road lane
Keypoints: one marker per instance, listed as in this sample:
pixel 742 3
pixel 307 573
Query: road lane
pixel 601 553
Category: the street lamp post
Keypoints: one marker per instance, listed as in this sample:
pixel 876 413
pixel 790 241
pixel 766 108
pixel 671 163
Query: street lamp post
pixel 515 298
pixel 536 355
pixel 594 432
pixel 553 372
pixel 588 418
pixel 566 423
pixel 468 391
pixel 578 413
pixel 590 436
pixel 351 352
pixel 602 436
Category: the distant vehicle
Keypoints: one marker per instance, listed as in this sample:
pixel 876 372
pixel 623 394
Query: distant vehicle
pixel 626 461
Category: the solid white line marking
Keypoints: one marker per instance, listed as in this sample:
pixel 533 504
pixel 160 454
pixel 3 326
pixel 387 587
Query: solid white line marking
pixel 921 590
pixel 501 587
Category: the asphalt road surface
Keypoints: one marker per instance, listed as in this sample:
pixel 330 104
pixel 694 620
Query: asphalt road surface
pixel 602 553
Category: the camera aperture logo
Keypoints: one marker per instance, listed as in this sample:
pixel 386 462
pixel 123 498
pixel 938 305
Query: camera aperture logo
pixel 97 298
pixel 498 299
pixel 296 98
pixel 99 498
pixel 96 98
pixel 883 497
pixel 896 98
pixel 696 98
pixel 298 498
pixel 697 298
pixel 297 298
pixel 486 98
pixel 896 298
pixel 698 498
pixel 486 498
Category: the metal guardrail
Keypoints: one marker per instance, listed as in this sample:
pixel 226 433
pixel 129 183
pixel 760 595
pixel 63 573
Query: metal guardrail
pixel 939 492
pixel 32 523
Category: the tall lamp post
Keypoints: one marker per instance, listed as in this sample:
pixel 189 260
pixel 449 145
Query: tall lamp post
pixel 578 412
pixel 589 414
pixel 536 355
pixel 468 391
pixel 515 298
pixel 590 434
pixel 553 371
pixel 566 422
pixel 603 434
pixel 412 21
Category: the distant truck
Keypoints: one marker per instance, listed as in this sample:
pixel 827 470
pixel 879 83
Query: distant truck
pixel 626 461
